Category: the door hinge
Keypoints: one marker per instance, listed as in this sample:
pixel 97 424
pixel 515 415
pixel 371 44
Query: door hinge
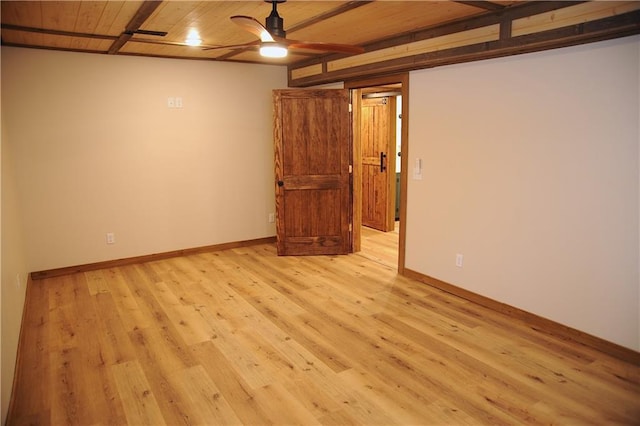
pixel 350 227
pixel 350 168
pixel 350 107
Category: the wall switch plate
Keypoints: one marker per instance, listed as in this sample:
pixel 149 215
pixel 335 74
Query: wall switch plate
pixel 111 238
pixel 459 259
pixel 171 102
pixel 178 102
pixel 272 217
pixel 417 169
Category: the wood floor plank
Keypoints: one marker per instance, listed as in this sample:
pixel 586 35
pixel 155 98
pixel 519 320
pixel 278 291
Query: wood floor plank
pixel 78 362
pixel 78 400
pixel 96 282
pixel 33 366
pixel 161 358
pixel 243 336
pixel 311 377
pixel 237 392
pixel 140 404
pixel 131 314
pixel 309 337
pixel 114 343
pixel 294 376
pixel 400 405
pixel 245 363
pixel 494 361
pixel 186 318
pixel 281 407
pixel 206 403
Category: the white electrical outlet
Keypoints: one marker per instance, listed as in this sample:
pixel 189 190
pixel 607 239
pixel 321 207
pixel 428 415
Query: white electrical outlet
pixel 178 102
pixel 111 238
pixel 272 217
pixel 171 102
pixel 459 259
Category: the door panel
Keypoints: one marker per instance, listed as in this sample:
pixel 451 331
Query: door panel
pixel 312 134
pixel 377 133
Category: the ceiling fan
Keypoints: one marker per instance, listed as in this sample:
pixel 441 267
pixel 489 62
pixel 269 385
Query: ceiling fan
pixel 272 36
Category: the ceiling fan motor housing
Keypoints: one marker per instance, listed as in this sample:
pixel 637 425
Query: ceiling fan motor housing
pixel 274 23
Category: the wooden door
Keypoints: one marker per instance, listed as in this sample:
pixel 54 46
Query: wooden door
pixel 377 135
pixel 312 134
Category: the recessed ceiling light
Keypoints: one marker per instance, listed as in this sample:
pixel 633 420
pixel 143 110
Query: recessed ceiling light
pixel 193 39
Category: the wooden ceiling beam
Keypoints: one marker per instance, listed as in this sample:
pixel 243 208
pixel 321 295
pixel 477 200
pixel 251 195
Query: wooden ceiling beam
pixel 57 32
pixel 485 5
pixel 329 14
pixel 143 13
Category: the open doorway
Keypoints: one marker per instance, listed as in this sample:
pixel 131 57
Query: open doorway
pixel 380 148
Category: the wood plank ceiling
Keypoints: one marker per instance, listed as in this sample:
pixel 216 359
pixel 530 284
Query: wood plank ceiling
pixel 396 35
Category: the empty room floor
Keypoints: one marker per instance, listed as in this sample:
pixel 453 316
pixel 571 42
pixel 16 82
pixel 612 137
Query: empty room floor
pixel 243 336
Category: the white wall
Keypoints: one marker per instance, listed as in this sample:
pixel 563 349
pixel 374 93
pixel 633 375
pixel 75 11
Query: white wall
pixel 531 172
pixel 97 150
pixel 13 270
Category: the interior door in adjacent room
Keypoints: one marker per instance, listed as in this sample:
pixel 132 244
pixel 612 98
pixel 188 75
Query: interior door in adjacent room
pixel 313 140
pixel 377 135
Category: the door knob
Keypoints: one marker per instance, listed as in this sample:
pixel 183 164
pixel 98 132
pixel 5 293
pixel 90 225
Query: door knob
pixel 280 183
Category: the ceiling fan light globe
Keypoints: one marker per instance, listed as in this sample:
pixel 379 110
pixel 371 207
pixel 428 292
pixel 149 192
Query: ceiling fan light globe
pixel 269 50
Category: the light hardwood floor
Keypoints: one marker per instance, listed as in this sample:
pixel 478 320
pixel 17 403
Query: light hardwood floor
pixel 245 336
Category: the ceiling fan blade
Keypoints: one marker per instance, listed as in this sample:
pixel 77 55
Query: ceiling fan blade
pixel 253 26
pixel 234 46
pixel 327 47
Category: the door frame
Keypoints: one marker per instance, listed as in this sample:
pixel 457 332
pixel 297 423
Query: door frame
pixel 353 86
